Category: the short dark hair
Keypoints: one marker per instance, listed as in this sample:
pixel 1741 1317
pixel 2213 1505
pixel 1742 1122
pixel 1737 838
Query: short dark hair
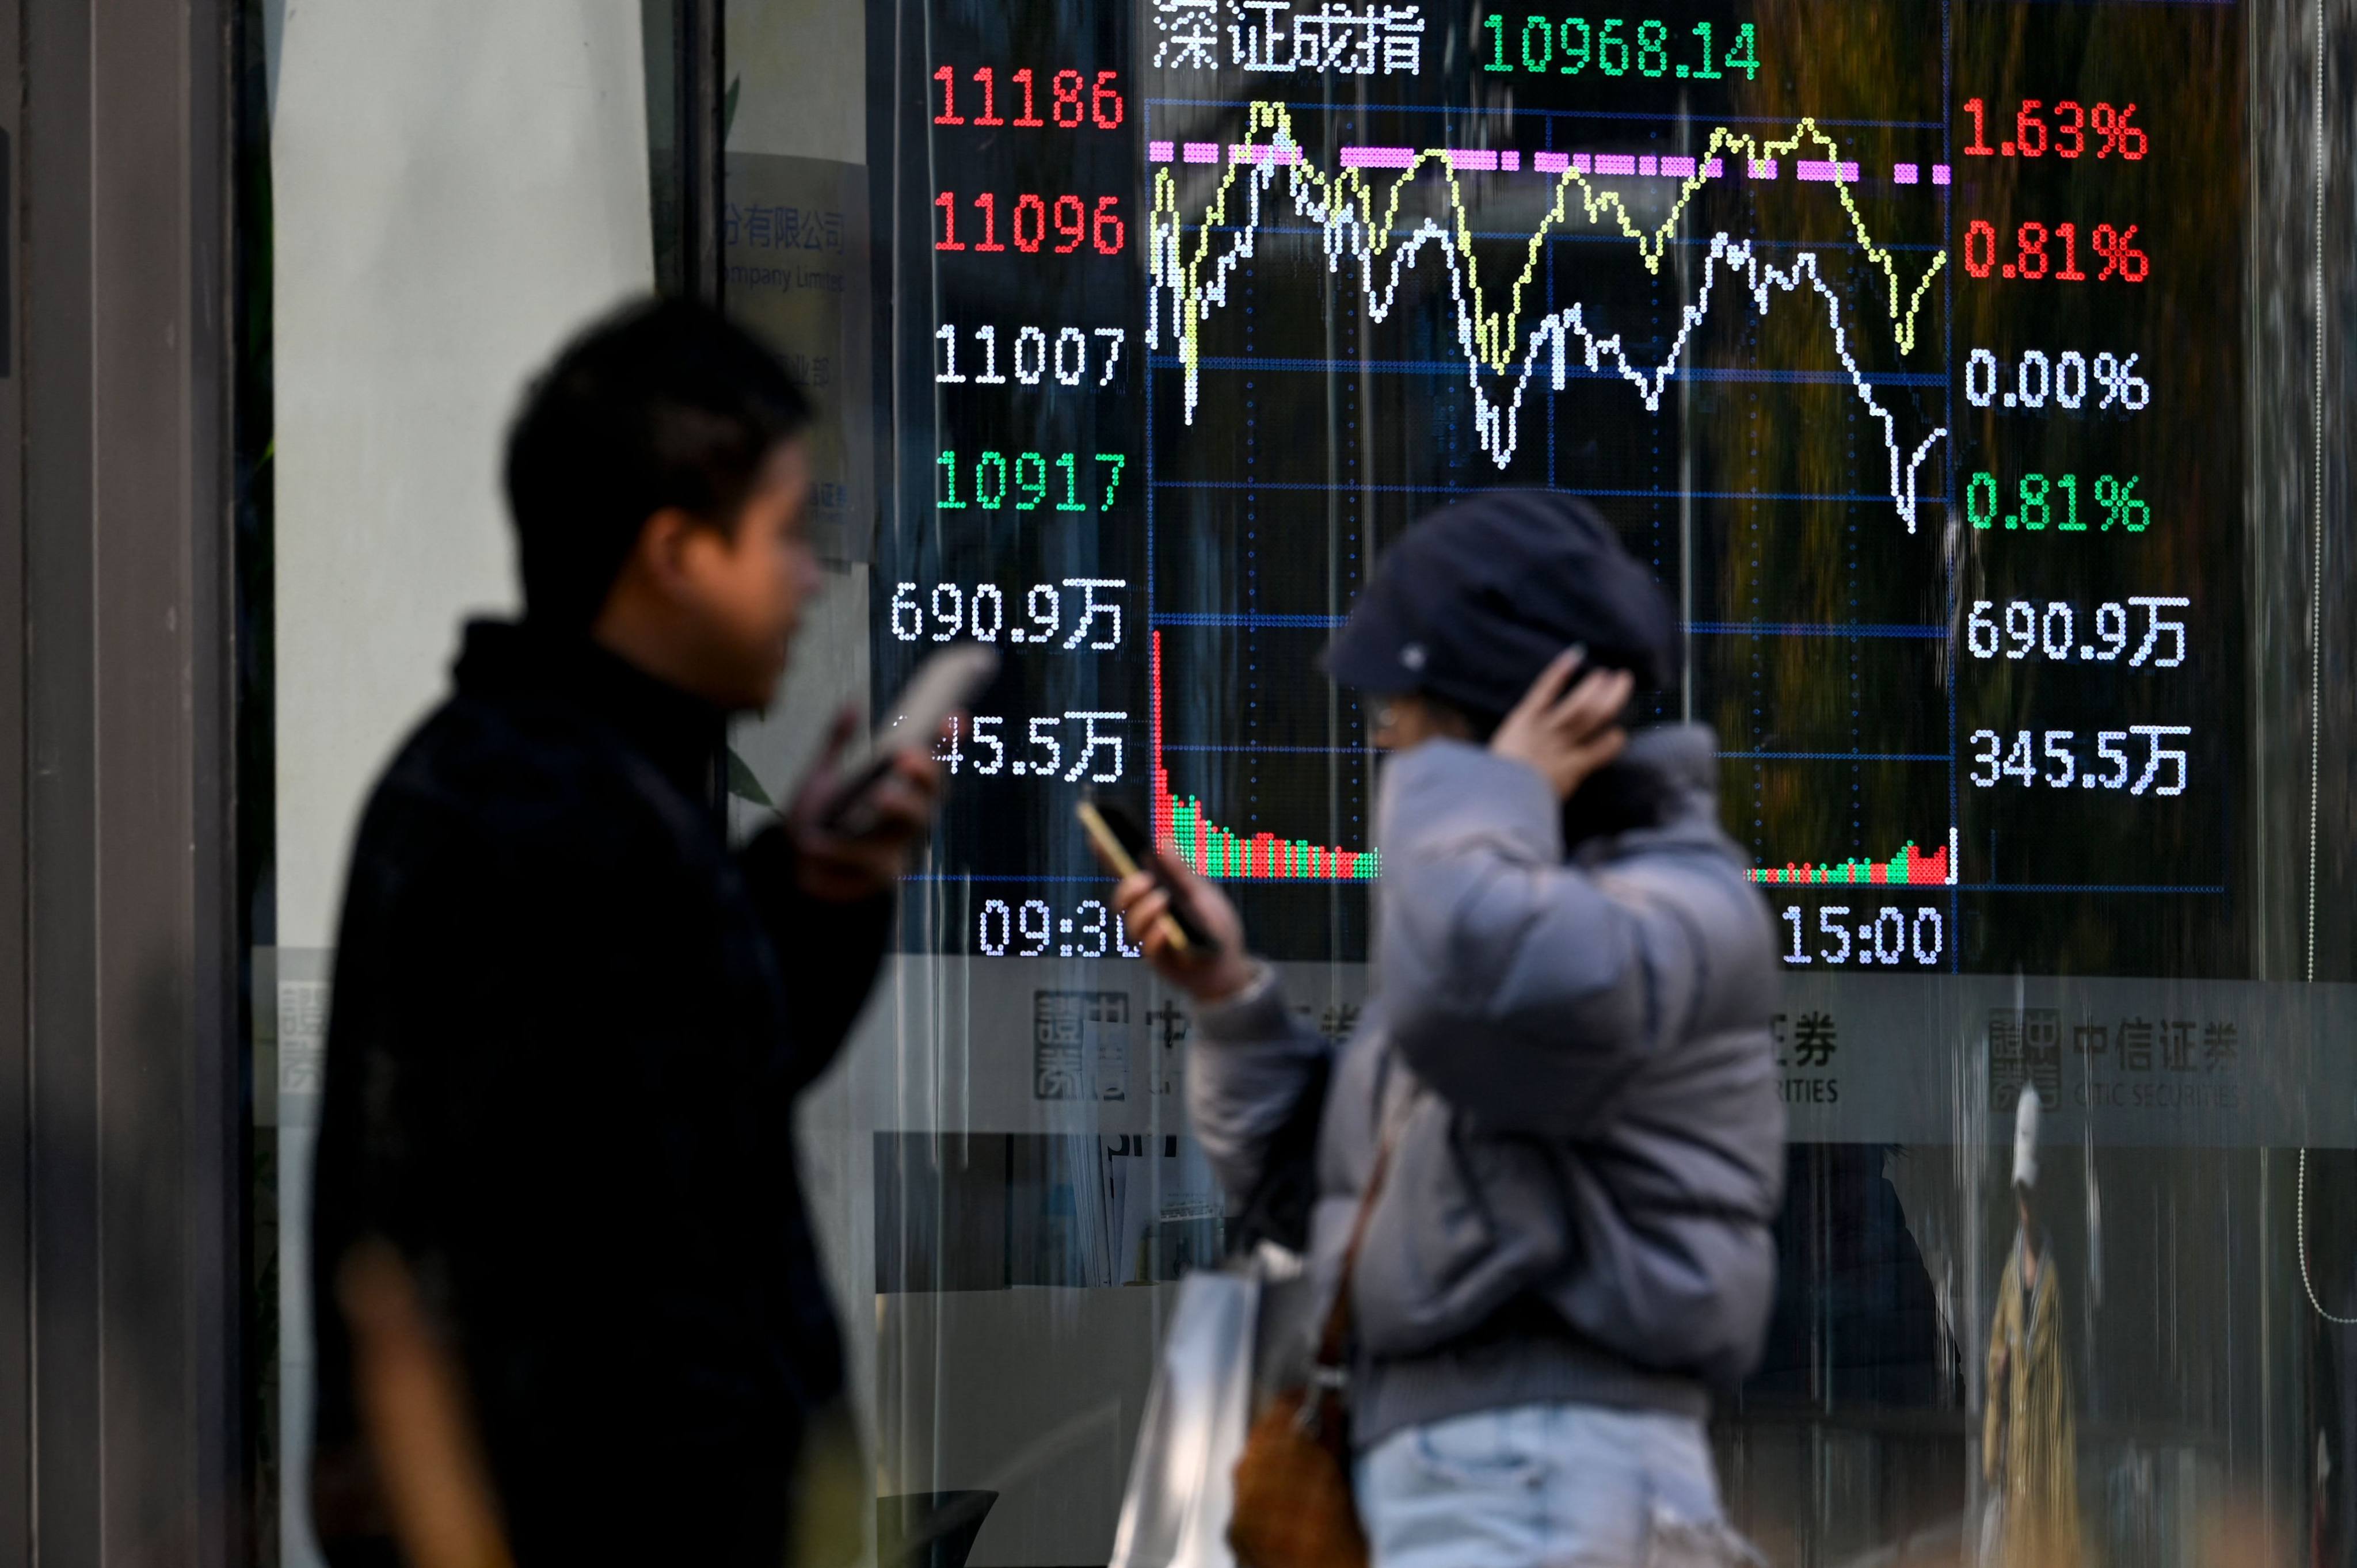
pixel 663 403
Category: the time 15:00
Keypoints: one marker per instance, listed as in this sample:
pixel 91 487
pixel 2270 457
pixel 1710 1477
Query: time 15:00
pixel 1888 935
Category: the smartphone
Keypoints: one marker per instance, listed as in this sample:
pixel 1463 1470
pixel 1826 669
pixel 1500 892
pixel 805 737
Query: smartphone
pixel 941 685
pixel 1124 844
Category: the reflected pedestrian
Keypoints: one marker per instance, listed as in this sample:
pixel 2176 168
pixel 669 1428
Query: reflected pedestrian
pixel 1567 1056
pixel 2028 1436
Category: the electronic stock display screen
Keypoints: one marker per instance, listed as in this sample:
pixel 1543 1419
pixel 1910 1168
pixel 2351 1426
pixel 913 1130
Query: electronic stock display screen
pixel 1905 341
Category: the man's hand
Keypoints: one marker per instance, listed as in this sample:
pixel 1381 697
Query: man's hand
pixel 1567 737
pixel 1208 978
pixel 844 868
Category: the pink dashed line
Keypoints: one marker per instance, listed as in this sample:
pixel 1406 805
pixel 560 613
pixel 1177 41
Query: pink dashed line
pixel 1939 174
pixel 1905 173
pixel 1510 161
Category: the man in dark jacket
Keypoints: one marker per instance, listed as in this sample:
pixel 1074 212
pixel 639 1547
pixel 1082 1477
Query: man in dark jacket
pixel 571 1021
pixel 1568 1051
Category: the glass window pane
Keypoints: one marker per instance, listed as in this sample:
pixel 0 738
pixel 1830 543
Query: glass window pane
pixel 1897 346
pixel 1954 366
pixel 451 190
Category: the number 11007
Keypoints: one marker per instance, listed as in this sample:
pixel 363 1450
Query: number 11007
pixel 1888 935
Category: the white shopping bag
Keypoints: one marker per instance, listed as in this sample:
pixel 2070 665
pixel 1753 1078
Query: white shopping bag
pixel 1992 1552
pixel 1182 1481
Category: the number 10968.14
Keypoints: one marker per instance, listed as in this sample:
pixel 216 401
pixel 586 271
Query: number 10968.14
pixel 1889 936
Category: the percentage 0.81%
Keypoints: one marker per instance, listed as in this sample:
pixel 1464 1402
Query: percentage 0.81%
pixel 2033 259
pixel 2063 380
pixel 2062 130
pixel 2053 503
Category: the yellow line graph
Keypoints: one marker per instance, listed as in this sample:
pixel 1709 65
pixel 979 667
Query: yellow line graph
pixel 1495 335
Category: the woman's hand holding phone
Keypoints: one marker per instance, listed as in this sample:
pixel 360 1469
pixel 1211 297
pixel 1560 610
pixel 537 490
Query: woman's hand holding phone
pixel 1208 977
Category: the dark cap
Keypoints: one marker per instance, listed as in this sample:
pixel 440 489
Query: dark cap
pixel 1475 599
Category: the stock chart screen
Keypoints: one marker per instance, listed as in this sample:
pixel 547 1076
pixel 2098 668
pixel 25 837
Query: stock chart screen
pixel 1905 342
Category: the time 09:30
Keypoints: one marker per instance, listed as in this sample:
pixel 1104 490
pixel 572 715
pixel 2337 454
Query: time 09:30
pixel 1034 929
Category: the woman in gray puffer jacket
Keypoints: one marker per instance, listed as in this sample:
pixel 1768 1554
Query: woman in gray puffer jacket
pixel 1569 1041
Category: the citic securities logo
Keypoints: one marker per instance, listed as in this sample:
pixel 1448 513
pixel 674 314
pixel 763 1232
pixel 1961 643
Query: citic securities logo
pixel 2133 1062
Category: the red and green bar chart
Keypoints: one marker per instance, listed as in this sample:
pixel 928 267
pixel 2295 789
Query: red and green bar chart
pixel 1185 830
pixel 1910 868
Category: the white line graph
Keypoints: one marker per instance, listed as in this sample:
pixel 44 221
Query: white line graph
pixel 1348 238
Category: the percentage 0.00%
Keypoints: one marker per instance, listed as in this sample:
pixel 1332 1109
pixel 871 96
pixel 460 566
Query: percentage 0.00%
pixel 2063 380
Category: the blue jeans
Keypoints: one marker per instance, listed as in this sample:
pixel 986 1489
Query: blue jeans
pixel 1546 1486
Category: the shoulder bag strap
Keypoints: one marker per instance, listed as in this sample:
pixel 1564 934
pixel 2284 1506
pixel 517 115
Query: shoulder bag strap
pixel 1334 1339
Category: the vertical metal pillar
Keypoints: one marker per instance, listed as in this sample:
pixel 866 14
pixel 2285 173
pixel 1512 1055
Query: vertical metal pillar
pixel 121 1106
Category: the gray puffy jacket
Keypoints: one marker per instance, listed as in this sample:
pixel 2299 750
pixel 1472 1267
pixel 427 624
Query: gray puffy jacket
pixel 1591 1145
